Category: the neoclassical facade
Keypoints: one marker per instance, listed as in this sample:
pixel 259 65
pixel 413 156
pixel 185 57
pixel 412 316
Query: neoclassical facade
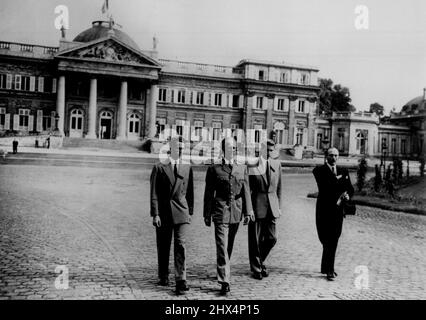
pixel 365 134
pixel 102 85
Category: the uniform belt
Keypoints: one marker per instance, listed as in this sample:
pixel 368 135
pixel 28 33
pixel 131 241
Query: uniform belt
pixel 226 198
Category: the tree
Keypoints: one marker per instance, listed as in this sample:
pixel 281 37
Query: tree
pixel 377 108
pixel 334 97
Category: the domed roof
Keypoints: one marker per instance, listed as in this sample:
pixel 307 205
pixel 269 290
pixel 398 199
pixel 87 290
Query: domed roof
pixel 418 103
pixel 100 29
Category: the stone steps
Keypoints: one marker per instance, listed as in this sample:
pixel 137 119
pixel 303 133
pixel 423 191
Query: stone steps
pixel 125 146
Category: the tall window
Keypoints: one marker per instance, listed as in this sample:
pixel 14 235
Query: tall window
pixel 403 146
pixel 25 83
pixel 77 119
pixel 2 81
pixel 47 122
pixel 161 125
pixel 24 115
pixel 235 101
pixel 198 127
pixel 181 96
pixel 284 77
pixel 40 84
pixel 319 141
pixel 200 98
pixel 162 94
pixel 2 117
pixel 9 81
pixel 217 127
pixel 259 103
pixel 261 75
pixel 304 78
pixel 384 144
pixel 218 99
pixel 361 141
pixel 299 136
pixel 301 106
pixel 234 126
pixel 134 124
pixel 280 106
pixel 393 145
pixel 279 130
pixel 179 126
pixel 17 81
pixel 341 139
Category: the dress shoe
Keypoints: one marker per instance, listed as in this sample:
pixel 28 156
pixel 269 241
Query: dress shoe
pixel 163 282
pixel 225 289
pixel 181 287
pixel 265 273
pixel 330 276
pixel 257 275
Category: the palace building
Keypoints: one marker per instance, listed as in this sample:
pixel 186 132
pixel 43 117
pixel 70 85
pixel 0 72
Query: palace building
pixel 102 85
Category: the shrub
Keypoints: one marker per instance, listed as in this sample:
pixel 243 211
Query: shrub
pixel 361 172
pixel 377 178
pixel 422 167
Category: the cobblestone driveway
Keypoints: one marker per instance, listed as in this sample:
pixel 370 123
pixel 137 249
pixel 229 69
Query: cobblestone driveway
pixel 95 221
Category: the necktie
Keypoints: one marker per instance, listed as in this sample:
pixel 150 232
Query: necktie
pixel 334 170
pixel 175 170
pixel 268 173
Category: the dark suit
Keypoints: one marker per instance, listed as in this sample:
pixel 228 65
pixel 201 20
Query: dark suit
pixel 226 200
pixel 265 190
pixel 172 198
pixel 329 216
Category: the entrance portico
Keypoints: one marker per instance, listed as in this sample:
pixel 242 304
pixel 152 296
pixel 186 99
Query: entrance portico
pixel 113 62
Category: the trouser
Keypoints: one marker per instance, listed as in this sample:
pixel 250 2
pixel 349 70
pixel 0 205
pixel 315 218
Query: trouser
pixel 164 239
pixel 328 255
pixel 224 236
pixel 261 240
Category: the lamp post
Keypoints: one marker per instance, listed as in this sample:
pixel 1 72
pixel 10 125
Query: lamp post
pixel 383 159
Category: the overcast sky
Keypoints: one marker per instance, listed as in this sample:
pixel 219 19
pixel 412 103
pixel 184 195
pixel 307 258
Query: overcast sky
pixel 385 63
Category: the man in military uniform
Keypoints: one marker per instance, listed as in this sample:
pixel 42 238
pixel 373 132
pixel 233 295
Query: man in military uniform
pixel 265 187
pixel 226 200
pixel 172 205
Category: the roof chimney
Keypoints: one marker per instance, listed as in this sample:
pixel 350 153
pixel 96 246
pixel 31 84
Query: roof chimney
pixel 424 94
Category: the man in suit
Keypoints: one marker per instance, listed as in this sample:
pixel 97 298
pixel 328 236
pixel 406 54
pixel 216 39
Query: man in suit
pixel 226 200
pixel 172 205
pixel 265 187
pixel 334 185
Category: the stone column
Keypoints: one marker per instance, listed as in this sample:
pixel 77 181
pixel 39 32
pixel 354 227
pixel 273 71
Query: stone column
pixel 60 104
pixel 153 94
pixel 292 120
pixel 91 132
pixel 122 112
pixel 270 98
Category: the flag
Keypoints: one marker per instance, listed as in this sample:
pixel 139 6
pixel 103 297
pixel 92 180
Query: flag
pixel 105 6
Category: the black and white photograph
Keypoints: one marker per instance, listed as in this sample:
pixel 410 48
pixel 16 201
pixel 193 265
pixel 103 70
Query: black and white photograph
pixel 200 150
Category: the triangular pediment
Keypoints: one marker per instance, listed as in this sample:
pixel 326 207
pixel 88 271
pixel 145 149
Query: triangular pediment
pixel 108 49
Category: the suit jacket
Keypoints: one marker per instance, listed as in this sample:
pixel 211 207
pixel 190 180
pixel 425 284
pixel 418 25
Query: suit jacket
pixel 227 193
pixel 266 196
pixel 172 198
pixel 329 216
